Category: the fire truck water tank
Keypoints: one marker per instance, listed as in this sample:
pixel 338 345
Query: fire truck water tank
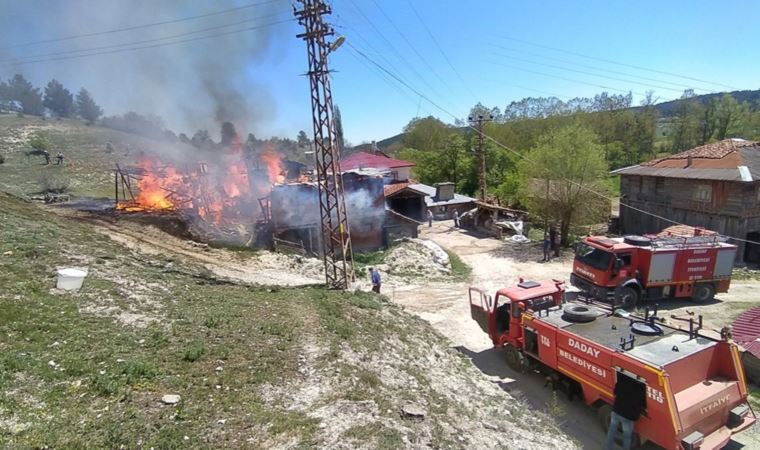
pixel 638 241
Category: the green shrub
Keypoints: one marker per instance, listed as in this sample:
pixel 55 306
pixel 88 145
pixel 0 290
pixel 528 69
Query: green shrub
pixel 194 352
pixel 39 141
pixel 55 183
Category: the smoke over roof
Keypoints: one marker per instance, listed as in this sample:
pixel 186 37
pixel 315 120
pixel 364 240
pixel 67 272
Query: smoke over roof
pixel 192 85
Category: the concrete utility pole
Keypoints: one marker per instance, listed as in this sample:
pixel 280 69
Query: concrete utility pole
pixel 336 238
pixel 478 122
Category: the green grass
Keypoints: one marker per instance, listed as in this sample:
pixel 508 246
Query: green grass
pixel 60 368
pixel 87 165
pixel 369 259
pixel 459 269
pixel 754 397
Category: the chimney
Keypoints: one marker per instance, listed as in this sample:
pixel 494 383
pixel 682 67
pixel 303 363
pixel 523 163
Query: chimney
pixel 688 161
pixel 444 191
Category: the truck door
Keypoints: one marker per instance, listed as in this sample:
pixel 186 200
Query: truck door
pixel 481 306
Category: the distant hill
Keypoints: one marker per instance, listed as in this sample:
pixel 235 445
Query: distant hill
pixel 665 110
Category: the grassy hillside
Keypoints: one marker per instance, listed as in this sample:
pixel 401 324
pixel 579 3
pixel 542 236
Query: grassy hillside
pixel 88 165
pixel 255 366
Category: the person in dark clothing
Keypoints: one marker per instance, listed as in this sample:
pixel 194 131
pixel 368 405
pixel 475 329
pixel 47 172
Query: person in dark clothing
pixel 553 239
pixel 375 275
pixel 47 157
pixel 630 400
pixel 430 218
pixel 547 247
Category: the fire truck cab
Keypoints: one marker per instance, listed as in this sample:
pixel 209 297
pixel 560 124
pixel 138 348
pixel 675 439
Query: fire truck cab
pixel 693 387
pixel 626 270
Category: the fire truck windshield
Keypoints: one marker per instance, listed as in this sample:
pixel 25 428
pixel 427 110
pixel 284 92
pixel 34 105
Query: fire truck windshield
pixel 594 257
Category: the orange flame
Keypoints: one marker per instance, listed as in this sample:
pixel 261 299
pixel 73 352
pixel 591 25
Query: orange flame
pixel 273 161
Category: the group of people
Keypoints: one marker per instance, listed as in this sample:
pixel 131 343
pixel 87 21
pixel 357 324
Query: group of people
pixel 454 216
pixel 58 158
pixel 551 244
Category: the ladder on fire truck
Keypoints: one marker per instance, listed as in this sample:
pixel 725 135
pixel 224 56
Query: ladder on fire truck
pixel 664 242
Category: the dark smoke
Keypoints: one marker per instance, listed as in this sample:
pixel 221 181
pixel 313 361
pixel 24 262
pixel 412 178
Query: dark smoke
pixel 195 85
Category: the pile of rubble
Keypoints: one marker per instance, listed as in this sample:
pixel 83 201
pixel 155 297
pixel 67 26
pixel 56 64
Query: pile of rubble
pixel 417 258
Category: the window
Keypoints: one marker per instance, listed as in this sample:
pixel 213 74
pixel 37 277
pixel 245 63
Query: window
pixel 702 193
pixel 625 259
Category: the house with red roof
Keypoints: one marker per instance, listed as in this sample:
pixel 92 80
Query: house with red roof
pixel 400 170
pixel 714 186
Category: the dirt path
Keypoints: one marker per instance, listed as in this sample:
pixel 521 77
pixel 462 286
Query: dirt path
pixel 496 264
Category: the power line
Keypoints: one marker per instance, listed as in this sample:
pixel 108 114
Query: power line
pixel 393 48
pixel 440 49
pixel 523 156
pixel 601 69
pixel 138 27
pixel 572 80
pixel 108 52
pixel 146 41
pixel 609 61
pixel 553 66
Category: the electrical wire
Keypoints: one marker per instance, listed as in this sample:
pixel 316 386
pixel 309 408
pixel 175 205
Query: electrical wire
pixel 138 27
pixel 108 52
pixel 523 156
pixel 146 41
pixel 610 61
pixel 601 69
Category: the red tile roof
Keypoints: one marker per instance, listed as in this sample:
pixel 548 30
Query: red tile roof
pixel 362 160
pixel 391 189
pixel 746 330
pixel 718 155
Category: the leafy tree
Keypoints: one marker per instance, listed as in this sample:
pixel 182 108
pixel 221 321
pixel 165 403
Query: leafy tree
pixel 58 99
pixel 303 139
pixel 560 172
pixel 729 116
pixel 338 129
pixel 28 96
pixel 39 142
pixel 687 129
pixel 426 134
pixel 87 109
pixel 202 140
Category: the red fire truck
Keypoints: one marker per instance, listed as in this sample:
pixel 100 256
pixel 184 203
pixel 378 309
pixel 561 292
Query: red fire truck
pixel 625 270
pixel 696 393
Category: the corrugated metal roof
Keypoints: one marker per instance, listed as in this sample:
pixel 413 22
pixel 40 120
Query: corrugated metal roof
pixel 430 192
pixel 363 160
pixel 668 172
pixel 726 160
pixel 746 330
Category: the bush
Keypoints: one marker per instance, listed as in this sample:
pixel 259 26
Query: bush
pixel 54 183
pixel 194 352
pixel 39 141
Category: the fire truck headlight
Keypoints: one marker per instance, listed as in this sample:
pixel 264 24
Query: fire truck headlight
pixel 693 441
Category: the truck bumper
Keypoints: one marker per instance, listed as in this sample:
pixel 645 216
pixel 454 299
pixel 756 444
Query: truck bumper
pixel 720 437
pixel 597 292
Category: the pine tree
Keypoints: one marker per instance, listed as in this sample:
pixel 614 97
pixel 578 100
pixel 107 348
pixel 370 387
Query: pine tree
pixel 58 99
pixel 87 109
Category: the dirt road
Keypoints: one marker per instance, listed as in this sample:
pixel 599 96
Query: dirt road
pixel 496 264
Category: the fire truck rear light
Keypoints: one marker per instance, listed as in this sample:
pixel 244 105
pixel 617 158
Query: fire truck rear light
pixel 736 416
pixel 693 441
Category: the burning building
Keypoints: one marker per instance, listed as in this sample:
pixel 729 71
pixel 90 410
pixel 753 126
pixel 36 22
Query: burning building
pixel 258 200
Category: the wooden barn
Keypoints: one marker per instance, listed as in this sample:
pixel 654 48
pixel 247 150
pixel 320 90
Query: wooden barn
pixel 715 186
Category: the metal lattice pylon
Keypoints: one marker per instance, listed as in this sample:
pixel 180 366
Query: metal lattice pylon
pixel 336 239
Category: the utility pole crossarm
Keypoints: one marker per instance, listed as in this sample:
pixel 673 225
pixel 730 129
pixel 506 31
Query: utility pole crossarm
pixel 336 237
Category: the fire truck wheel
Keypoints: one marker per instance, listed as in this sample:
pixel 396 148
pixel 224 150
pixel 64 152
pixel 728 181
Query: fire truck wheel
pixel 578 313
pixel 514 359
pixel 627 298
pixel 703 293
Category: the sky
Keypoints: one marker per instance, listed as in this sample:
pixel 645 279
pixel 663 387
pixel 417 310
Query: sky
pixel 246 64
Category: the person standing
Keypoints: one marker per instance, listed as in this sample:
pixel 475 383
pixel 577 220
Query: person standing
pixel 456 218
pixel 630 400
pixel 557 244
pixel 547 248
pixel 376 282
pixel 59 159
pixel 47 157
pixel 430 218
pixel 552 238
